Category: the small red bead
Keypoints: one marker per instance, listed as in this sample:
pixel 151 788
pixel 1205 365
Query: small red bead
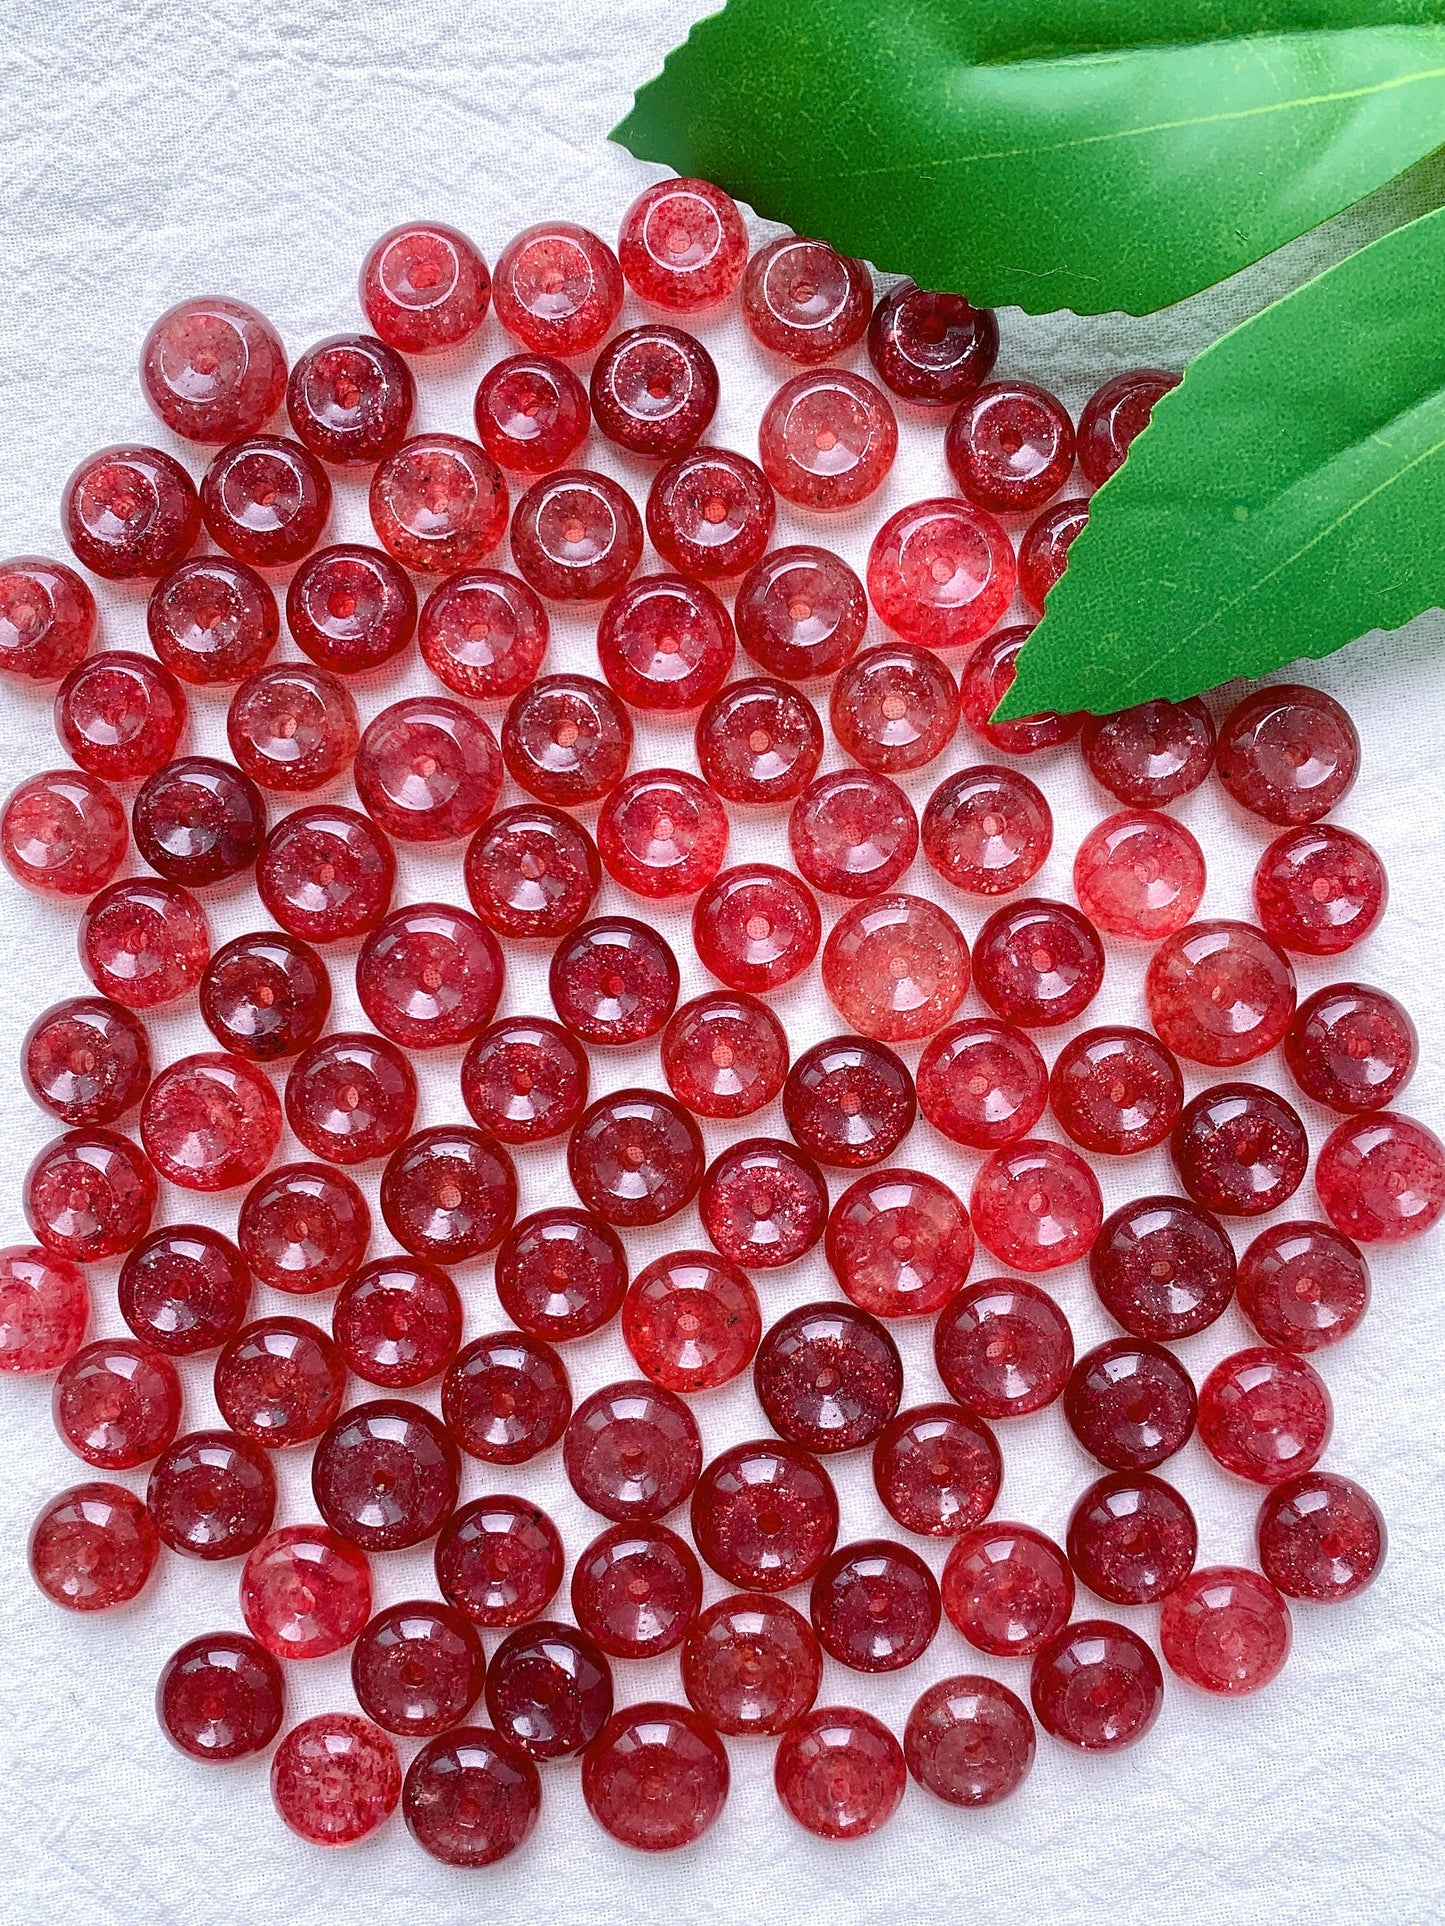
pixel 212 1495
pixel 265 996
pixel 931 349
pixel 292 727
pixel 525 1080
pixel 305 1592
pixel 1044 550
pixel 549 1690
pixel 875 1606
pixel 899 1243
pixel 894 708
pixel 417 1669
pixel 850 1101
pixel 691 1321
pixel 506 1398
pixel 1240 1150
pixel 212 369
pixel 47 619
pixel 1130 1403
pixel 759 742
pixel 351 1097
pixel 531 413
pixel 751 1663
pixel 567 739
pixel 982 1083
pixel 469 1798
pixel 449 1194
pixel 662 832
pixel 665 643
pixel 1116 1090
pixel 937 1470
pixel 212 620
pixel 763 1203
pixel 986 679
pixel 1220 993
pixel 86 1060
pixel 350 400
pixel 429 975
pixel 1320 889
pixel 840 1772
pixel 483 633
pixel 1321 1537
pixel 576 536
pixel 1265 1415
pixel 801 612
pixel 499 1561
pixel 804 300
pixel 756 927
pixel 351 608
pixel 941 573
pixel 853 833
pixel 385 1475
pixel 614 981
pixel 265 500
pixel 335 1778
pixel 303 1228
pixel 428 770
pixel 895 967
pixel 765 1515
pixel 710 513
pixel 1096 1686
pixel 1114 415
pixel 1132 1538
pixel 1139 874
pixel 1163 1268
pixel 184 1289
pixel 88 1195
pixel 1008 1589
pixel 220 1697
pixel 557 288
pixel 438 504
pixel 828 1377
pixel 561 1273
pixel 44 1309
pixel 682 245
pixel 63 834
pixel 655 1777
pixel 397 1323
pixel 827 440
pixel 130 513
pixel 635 1590
pixel 1038 963
pixel 1010 446
pixel 117 1403
pixel 120 715
pixel 1152 754
pixel 1351 1047
pixel 1003 1348
pixel 1303 1286
pixel 92 1547
pixel 635 1158
pixel 987 830
pixel 1381 1177
pixel 197 821
pixel 279 1381
pixel 969 1741
pixel 632 1452
pixel 424 287
pixel 654 391
pixel 1225 1629
pixel 724 1055
pixel 1288 753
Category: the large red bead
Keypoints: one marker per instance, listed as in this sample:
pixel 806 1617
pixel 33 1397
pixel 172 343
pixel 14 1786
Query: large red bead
pixel 1240 1150
pixel 1114 415
pixel 449 1193
pixel 63 833
pixel 1265 1415
pixel 894 708
pixel 507 1398
pixel 1096 1686
pixel 804 300
pixel 1038 963
pixel 655 1777
pixel 756 927
pixel 931 349
pixel 561 1273
pixel 1116 1090
pixel 1130 1403
pixel 417 1669
pixel 44 1309
pixel 86 1060
pixel 265 500
pixel 212 369
pixel 351 608
pixel 937 1470
pixel 665 643
pixel 483 633
pixel 635 1590
pixel 635 1158
pixel 351 1097
pixel 751 1663
pixel 853 833
pixel 632 1452
pixel 682 245
pixel 210 1122
pixel 969 1741
pixel 47 619
pixel 801 612
pixel 1321 1537
pixel 350 399
pixel 828 1377
pixel 567 739
pixel 691 1321
pixel 292 727
pixel 525 1080
pixel 710 513
pixel 1220 993
pixel 763 1203
pixel 279 1381
pixel 1163 1268
pixel 144 943
pixel 385 1475
pixel 895 967
pixel 765 1515
pixel 499 1561
pixel 265 996
pixel 120 715
pixel 220 1697
pixel 1303 1286
pixel 1044 550
pixel 130 513
pixel 88 1195
pixel 397 1324
pixel 326 873
pixel 759 742
pixel 874 1606
pixel 827 439
pixel 1151 754
pixel 1351 1047
pixel 987 677
pixel 428 770
pixel 212 1495
pixel 557 288
pixel 1225 1629
pixel 549 1690
pixel 212 620
pixel 662 832
pixel 576 536
pixel 438 504
pixel 614 981
pixel 92 1547
pixel 429 975
pixel 305 1592
pixel 725 1055
pixel 982 1083
pixel 1036 1205
pixel 1288 753
pixel 941 573
pixel 1132 1538
pixel 840 1772
pixel 1010 446
pixel 335 1778
pixel 1007 1588
pixel 1381 1177
pixel 532 872
pixel 1003 1347
pixel 1139 874
pixel 469 1799
pixel 987 830
pixel 424 287
pixel 117 1403
pixel 1320 889
pixel 850 1101
pixel 899 1243
pixel 303 1228
pixel 184 1289
pixel 654 391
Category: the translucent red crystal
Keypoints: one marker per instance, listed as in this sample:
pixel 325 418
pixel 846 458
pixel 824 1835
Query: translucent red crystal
pixel 1351 1047
pixel 1225 1629
pixel 525 1080
pixel 969 1741
pixel 1320 889
pixel 557 288
pixel 567 739
pixel 828 1377
pixel 895 967
pixel 763 1203
pixel 1096 1686
pixel 117 1403
pixel 1037 962
pixel 417 1668
pixel 827 439
pixel 1130 1403
pixel 875 1606
pixel 279 1381
pixel 212 620
pixel 483 633
pixel 682 245
pixel 92 1547
pixel 351 1097
pixel 220 1697
pixel 655 1777
pixel 691 1321
pixel 292 727
pixel 804 300
pixel 576 536
pixel 44 1309
pixel 385 1475
pixel 303 1228
pixel 184 1289
pixel 86 1060
pixel 549 1690
pixel 1163 1268
pixel 429 975
pixel 1220 993
pixel 499 1561
pixel 335 1779
pixel 305 1592
pixel 326 873
pixel 1010 446
pixel 397 1323
pixel 1114 414
pixel 635 1590
pixel 1007 1588
pixel 506 1398
pixel 941 573
pixel 561 1273
pixel 1240 1150
pixel 265 996
pixel 120 715
pixel 1036 1205
pixel 899 1243
pixel 759 742
pixel 1003 1348
pixel 449 1193
pixel 756 927
pixel 662 832
pixel 197 821
pixel 840 1772
pixel 424 287
pixel 1151 754
pixel 63 833
pixel 1139 874
pixel 937 1470
pixel 894 708
pixel 212 369
pixel 654 391
pixel 428 770
pixel 853 833
pixel 665 643
pixel 765 1515
pixel 531 413
pixel 351 608
pixel 986 679
pixel 212 1495
pixel 210 1122
pixel 850 1101
pixel 1303 1286
pixel 350 400
pixel 130 513
pixel 800 612
pixel 635 1158
pixel 751 1663
pixel 438 504
pixel 1116 1090
pixel 469 1798
pixel 47 619
pixel 987 830
pixel 632 1451
pixel 1264 1415
pixel 710 513
pixel 1044 550
pixel 1288 753
pixel 931 349
pixel 724 1055
pixel 982 1083
pixel 1132 1538
pixel 1381 1177
pixel 88 1195
pixel 265 500
pixel 1321 1537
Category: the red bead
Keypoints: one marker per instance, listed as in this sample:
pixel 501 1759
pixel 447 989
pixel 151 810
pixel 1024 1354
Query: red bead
pixel 549 1690
pixel 1225 1629
pixel 398 1324
pixel 1096 1686
pixel 1116 1090
pixel 92 1547
pixel 213 369
pixel 853 833
pixel 469 1799
pixel 86 1060
pixel 986 679
pixel 265 996
pixel 763 1203
pixel 1220 993
pixel 351 608
pixel 751 1663
pixel 525 1080
pixel 335 1778
pixel 305 1592
pixel 130 513
pixel 1381 1178
pixel 557 288
pixel 1130 1403
pixel 212 620
pixel 1010 446
pixel 662 832
pixel 710 513
pixel 1321 1537
pixel 937 1470
pixel 899 1243
pixel 827 440
pixel 635 1590
pixel 1265 1415
pixel 499 1561
pixel 438 504
pixel 1036 1205
pixel 1351 1047
pixel 531 413
pixel 969 1741
pixel 1132 1538
pixel 840 1772
pixel 665 643
pixel 765 1515
pixel 507 1398
pixel 220 1697
pixel 804 300
pixel 351 1097
pixel 1163 1268
pixel 197 821
pixel 1008 1589
pixel 212 1495
pixel 894 708
pixel 1320 889
pixel 1044 551
pixel 931 349
pixel 350 400
pixel 632 1452
pixel 654 391
pixel 655 1777
pixel 895 967
pixel 385 1474
pixel 279 1381
pixel 576 536
pixel 417 1669
pixel 941 573
pixel 424 287
pixel 120 715
pixel 1139 874
pixel 724 1055
pixel 1152 754
pixel 449 1194
pixel 184 1289
pixel 1303 1286
pixel 1003 1348
pixel 800 612
pixel 561 1273
pixel 63 833
pixel 682 245
pixel 303 1228
pixel 483 633
pixel 828 1377
pixel 429 975
pixel 614 981
pixel 567 739
pixel 1288 753
pixel 850 1101
pixel 292 727
pixel 691 1321
pixel 982 1083
pixel 44 1309
pixel 47 619
pixel 635 1158
pixel 428 770
pixel 756 927
pixel 987 830
pixel 117 1403
pixel 265 500
pixel 875 1606
pixel 759 742
pixel 1240 1150
pixel 1114 415
pixel 88 1195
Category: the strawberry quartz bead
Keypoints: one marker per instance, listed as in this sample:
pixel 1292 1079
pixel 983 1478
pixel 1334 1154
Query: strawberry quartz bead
pixel 763 1203
pixel 469 1799
pixel 828 1377
pixel 853 833
pixel 221 1696
pixel 351 1097
pixel 759 742
pixel 210 1122
pixel 1240 1150
pixel 895 967
pixel 691 1321
pixel 531 413
pixel 350 400
pixel 92 1547
pixel 335 1779
pixel 197 821
pixel 525 1080
pixel 1220 993
pixel 212 1495
pixel 557 289
pixel 507 1398
pixel 86 1060
pixel 303 1228
pixel 428 770
pixel 88 1195
pixel 765 1515
pixel 63 834
pixel 417 1669
pixel 665 643
pixel 532 872
pixel 130 513
pixel 875 1606
pixel 265 996
pixel 654 391
pixel 1265 1415
pixel 117 1403
pixel 941 573
pixel 840 1772
pixel 937 1470
pixel 385 1474
pixel 1096 1686
pixel 931 349
pixel 292 727
pixel 212 620
pixel 499 1561
pixel 449 1194
pixel 350 608
pixel 47 619
pixel 1003 1348
pixel 429 976
pixel 724 1055
pixel 682 245
pixel 614 981
pixel 1321 1537
pixel 567 739
pixel 751 1663
pixel 969 1741
pixel 1114 415
pixel 987 830
pixel 662 832
pixel 1351 1047
pixel 549 1690
pixel 397 1324
pixel 213 369
pixel 894 708
pixel 1008 1589
pixel 635 1158
pixel 279 1381
pixel 982 1083
pixel 1381 1178
pixel 756 927
pixel 1130 1403
pixel 483 633
pixel 1152 754
pixel 1320 889
pixel 120 715
pixel 1115 1090
pixel 1288 753
pixel 1163 1268
pixel 265 500
pixel 655 1777
pixel 801 612
pixel 1139 874
pixel 899 1243
pixel 636 1589
pixel 1038 963
pixel 1132 1538
pixel 1225 1629
pixel 44 1309
pixel 710 513
pixel 632 1451
pixel 1044 550
pixel 561 1273
pixel 1010 446
pixel 438 504
pixel 576 536
pixel 987 677
pixel 804 300
pixel 827 440
pixel 849 1101
pixel 424 287
pixel 184 1289
pixel 1303 1286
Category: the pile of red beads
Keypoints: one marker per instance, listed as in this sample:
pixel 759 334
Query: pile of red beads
pixel 388 1463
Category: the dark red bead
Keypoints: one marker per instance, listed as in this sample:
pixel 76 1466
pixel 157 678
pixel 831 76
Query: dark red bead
pixel 710 513
pixel 184 1289
pixel 44 1309
pixel 1320 889
pixel 828 1377
pixel 1003 1348
pixel 853 833
pixel 531 413
pixel 506 1398
pixel 827 439
pixel 212 1495
pixel 130 513
pixel 499 1561
pixel 899 1243
pixel 350 399
pixel 265 996
pixel 424 287
pixel 801 612
pixel 557 288
pixel 765 1515
pixel 682 245
pixel 1381 1177
pixel 198 821
pixel 351 608
pixel 756 927
pixel 351 1097
pixel 1288 753
pixel 1151 754
pixel 655 1777
pixel 1220 993
pixel 212 620
pixel 1163 1268
pixel 937 1470
pixel 326 873
pixel 1225 1629
pixel 1044 550
pixel 561 1273
pixel 293 727
pixel 654 391
pixel 1303 1286
pixel 303 1228
pixel 1132 1538
pixel 63 833
pixel 335 1779
pixel 840 1772
pixel 1007 1588
pixel 397 1324
pixel 982 1083
pixel 525 1080
pixel 850 1101
pixel 265 500
pixel 483 633
pixel 576 536
pixel 549 1690
pixel 1351 1047
pixel 875 1606
pixel 1096 1686
pixel 941 573
pixel 1265 1415
pixel 751 1663
pixel 438 504
pixel 385 1474
pixel 763 1203
pixel 894 708
pixel 417 1669
pixel 1240 1150
pixel 428 770
pixel 144 943
pixel 1321 1537
pixel 632 1451
pixel 220 1697
pixel 931 349
pixel 1038 963
pixel 92 1547
pixel 614 981
pixel 1010 446
pixel 88 1195
pixel 120 715
pixel 759 742
pixel 279 1381
pixel 86 1060
pixel 804 300
pixel 986 679
pixel 47 619
pixel 532 872
pixel 1115 1090
pixel 635 1158
pixel 691 1321
pixel 895 967
pixel 1036 1205
pixel 117 1403
pixel 212 369
pixel 969 1741
pixel 429 976
pixel 635 1590
pixel 1130 1403
pixel 567 739
pixel 449 1194
pixel 725 1055
pixel 1114 415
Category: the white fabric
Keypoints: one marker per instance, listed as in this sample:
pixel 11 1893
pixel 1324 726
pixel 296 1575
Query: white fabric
pixel 164 148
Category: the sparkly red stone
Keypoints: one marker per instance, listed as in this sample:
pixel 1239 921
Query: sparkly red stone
pixel 1225 1629
pixel 1008 1589
pixel 428 770
pixel 424 287
pixel 212 1495
pixel 724 1055
pixel 691 1321
pixel 212 620
pixel 86 1060
pixel 265 500
pixel 982 1083
pixel 44 1309
pixel 213 369
pixel 221 1696
pixel 1240 1150
pixel 483 633
pixel 827 440
pixel 1152 754
pixel 850 1101
pixel 800 612
pixel 120 715
pixel 1320 889
pixel 130 513
pixel 1381 1177
pixel 350 400
pixel 1114 415
pixel 682 245
pixel 804 300
pixel 499 1561
pixel 385 1475
pixel 1010 446
pixel 469 1798
pixel 184 1289
pixel 635 1590
pixel 1139 874
pixel 576 536
pixel 759 742
pixel 47 619
pixel 351 608
pixel 969 1741
pixel 1321 1537
pixel 662 832
pixel 531 413
pixel 1116 1090
pixel 351 1097
pixel 632 1452
pixel 265 996
pixel 710 513
pixel 305 1592
pixel 941 573
pixel 1351 1047
pixel 853 833
pixel 1044 550
pixel 449 1193
pixel 1163 1268
pixel 894 708
pixel 1132 1538
pixel 561 1273
pixel 525 1080
pixel 1303 1286
pixel 665 643
pixel 987 830
pixel 117 1403
pixel 567 739
pixel 549 1690
pixel 756 927
pixel 840 1772
pixel 506 1398
pixel 303 1228
pixel 635 1158
pixel 417 1668
pixel 1265 1415
pixel 931 349
pixel 763 1203
pixel 1220 993
pixel 765 1515
pixel 1003 1348
pixel 899 1243
pixel 397 1324
pixel 655 1777
pixel 1288 753
pixel 292 727
pixel 63 833
pixel 1130 1403
pixel 429 975
pixel 557 288
pixel 828 1377
pixel 197 821
pixel 937 1470
pixel 438 504
pixel 1036 1205
pixel 751 1663
pixel 654 391
pixel 280 1381
pixel 1096 1686
pixel 88 1195
pixel 895 967
pixel 335 1779
pixel 875 1606
pixel 210 1122
pixel 92 1547
pixel 986 679
pixel 1037 962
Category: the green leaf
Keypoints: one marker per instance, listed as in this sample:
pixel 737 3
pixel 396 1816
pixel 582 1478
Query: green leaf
pixel 1286 497
pixel 1090 154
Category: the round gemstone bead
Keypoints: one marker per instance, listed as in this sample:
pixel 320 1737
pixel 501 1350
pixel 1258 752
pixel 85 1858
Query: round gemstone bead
pixel 92 1547
pixel 1003 1348
pixel 117 1403
pixel 840 1772
pixel 220 1697
pixel 350 1098
pixel 801 612
pixel 941 573
pixel 756 927
pixel 635 1158
pixel 557 288
pixel 210 1122
pixel 265 500
pixel 1139 874
pixel 1265 1415
pixel 1220 993
pixel 438 504
pixel 828 1377
pixel 212 1495
pixel 982 1083
pixel 424 287
pixel 759 742
pixel 449 1194
pixel 1130 1403
pixel 1010 446
pixel 1115 1090
pixel 1044 550
pixel 303 1228
pixel 804 300
pixel 654 391
pixel 212 620
pixel 1321 1537
pixel 969 1741
pixel 499 1561
pixel 397 1324
pixel 130 513
pixel 827 439
pixel 1151 754
pixel 63 833
pixel 763 1203
pixel 751 1664
pixel 1320 889
pixel 632 1452
pixel 120 715
pixel 88 1195
pixel 47 619
pixel 305 1592
pixel 899 1243
pixel 292 727
pixel 662 832
pixel 197 821
pixel 986 679
pixel 385 1474
pixel 1036 1205
pixel 635 1590
pixel 279 1381
pixel 561 1273
pixel 525 1080
pixel 417 1668
pixel 931 349
pixel 875 1606
pixel 987 830
pixel 1351 1047
pixel 567 739
pixel 507 1398
pixel 429 975
pixel 1240 1150
pixel 895 967
pixel 724 1055
pixel 1303 1286
pixel 469 1799
pixel 1381 1177
pixel 1132 1538
pixel 549 1690
pixel 682 245
pixel 655 1777
pixel 849 1101
pixel 1008 1589
pixel 1288 753
pixel 1225 1629
pixel 351 608
pixel 350 400
pixel 710 513
pixel 1038 963
pixel 1114 415
pixel 665 643
pixel 44 1309
pixel 428 770
pixel 335 1778
pixel 937 1470
pixel 576 536
pixel 86 1060
pixel 691 1321
pixel 184 1289
pixel 1096 1686
pixel 265 996
pixel 894 708
pixel 531 413
pixel 483 633
pixel 765 1515
pixel 1163 1268
pixel 853 833
pixel 212 369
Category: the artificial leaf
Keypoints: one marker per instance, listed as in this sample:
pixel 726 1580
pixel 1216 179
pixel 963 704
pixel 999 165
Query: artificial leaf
pixel 1090 154
pixel 1287 496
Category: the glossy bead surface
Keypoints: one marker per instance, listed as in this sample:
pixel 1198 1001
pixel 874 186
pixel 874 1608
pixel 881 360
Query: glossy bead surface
pixel 1114 415
pixel 417 1668
pixel 1038 963
pixel 1220 993
pixel 758 742
pixel 1288 753
pixel 576 536
pixel 428 770
pixel 1139 874
pixel 691 1321
pixel 184 1289
pixel 1151 754
pixel 850 1101
pixel 801 612
pixel 765 1515
pixel 724 1055
pixel 937 1470
pixel 853 833
pixel 1130 1403
pixel 557 288
pixel 1381 1177
pixel 88 1195
pixel 1321 1537
pixel 265 996
pixel 1116 1090
pixel 756 927
pixel 1225 1629
pixel 665 643
pixel 326 873
pixel 941 573
pixel 86 1060
pixel 549 1690
pixel 468 1799
pixel 499 1561
pixel 827 440
pixel 279 1381
pixel 525 1080
pixel 655 1777
pixel 212 369
pixel 305 1592
pixel 567 739
pixel 1320 889
pixel 197 821
pixel 1240 1150
pixel 710 513
pixel 351 608
pixel 63 833
pixel 632 1451
pixel 265 500
pixel 335 1778
pixel 507 1398
pixel 1010 446
pixel 449 1194
pixel 350 399
pixel 292 727
pixel 47 619
pixel 424 287
pixel 662 832
pixel 561 1273
pixel 1096 1686
pixel 385 1474
pixel 894 708
pixel 120 715
pixel 987 830
pixel 92 1547
pixel 220 1697
pixel 1008 1589
pixel 303 1228
pixel 1303 1286
pixel 828 1377
pixel 895 967
pixel 1265 1415
pixel 969 1741
pixel 986 679
pixel 1003 1348
pixel 1036 1205
pixel 751 1664
pixel 682 245
pixel 654 391
pixel 212 620
pixel 635 1158
pixel 1044 550
pixel 840 1773
pixel 117 1403
pixel 804 300
pixel 397 1324
pixel 1351 1047
pixel 44 1309
pixel 899 1243
pixel 1132 1538
pixel 931 349
pixel 438 504
pixel 212 1495
pixel 351 1097
pixel 483 633
pixel 875 1606
pixel 1163 1268
pixel 429 975
pixel 130 513
pixel 763 1203
pixel 635 1590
